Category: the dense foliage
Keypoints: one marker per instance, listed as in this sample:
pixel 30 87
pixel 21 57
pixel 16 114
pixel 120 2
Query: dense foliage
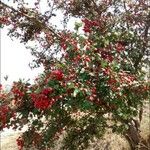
pixel 93 78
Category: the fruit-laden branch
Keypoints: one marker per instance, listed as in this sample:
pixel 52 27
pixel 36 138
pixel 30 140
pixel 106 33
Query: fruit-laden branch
pixel 45 28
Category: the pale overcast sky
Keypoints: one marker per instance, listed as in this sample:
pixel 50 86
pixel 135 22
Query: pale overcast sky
pixel 14 60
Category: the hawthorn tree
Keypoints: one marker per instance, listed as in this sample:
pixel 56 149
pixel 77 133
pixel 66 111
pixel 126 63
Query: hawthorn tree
pixel 92 79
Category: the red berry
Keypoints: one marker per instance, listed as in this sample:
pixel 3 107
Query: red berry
pixel 57 74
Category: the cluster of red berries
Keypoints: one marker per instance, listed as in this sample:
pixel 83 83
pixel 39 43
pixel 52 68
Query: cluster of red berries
pixel 4 113
pixel 17 92
pixel 120 47
pixel 57 74
pixel 88 24
pixel 4 20
pixel 43 100
pixel 20 143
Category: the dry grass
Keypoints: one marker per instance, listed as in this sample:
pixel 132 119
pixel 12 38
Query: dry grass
pixel 9 142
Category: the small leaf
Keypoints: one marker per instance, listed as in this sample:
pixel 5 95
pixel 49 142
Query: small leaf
pixel 103 63
pixel 6 77
pixel 70 85
pixel 76 91
pixel 77 25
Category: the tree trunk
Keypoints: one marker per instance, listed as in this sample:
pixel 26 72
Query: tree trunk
pixel 133 134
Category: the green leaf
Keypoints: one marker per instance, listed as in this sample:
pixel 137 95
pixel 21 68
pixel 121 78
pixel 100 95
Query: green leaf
pixel 35 122
pixel 70 85
pixel 76 91
pixel 106 42
pixel 52 83
pixel 86 105
pixel 77 25
pixel 84 76
pixel 104 63
pixel 61 65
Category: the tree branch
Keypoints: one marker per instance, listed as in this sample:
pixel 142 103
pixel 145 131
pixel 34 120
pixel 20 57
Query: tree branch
pixel 145 42
pixel 43 26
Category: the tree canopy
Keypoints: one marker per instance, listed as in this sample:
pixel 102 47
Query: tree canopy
pixel 93 75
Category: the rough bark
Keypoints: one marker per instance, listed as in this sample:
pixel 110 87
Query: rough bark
pixel 134 138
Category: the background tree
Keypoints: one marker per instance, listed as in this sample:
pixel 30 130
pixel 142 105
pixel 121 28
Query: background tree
pixel 92 79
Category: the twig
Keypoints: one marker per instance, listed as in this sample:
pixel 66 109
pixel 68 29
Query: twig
pixel 44 27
